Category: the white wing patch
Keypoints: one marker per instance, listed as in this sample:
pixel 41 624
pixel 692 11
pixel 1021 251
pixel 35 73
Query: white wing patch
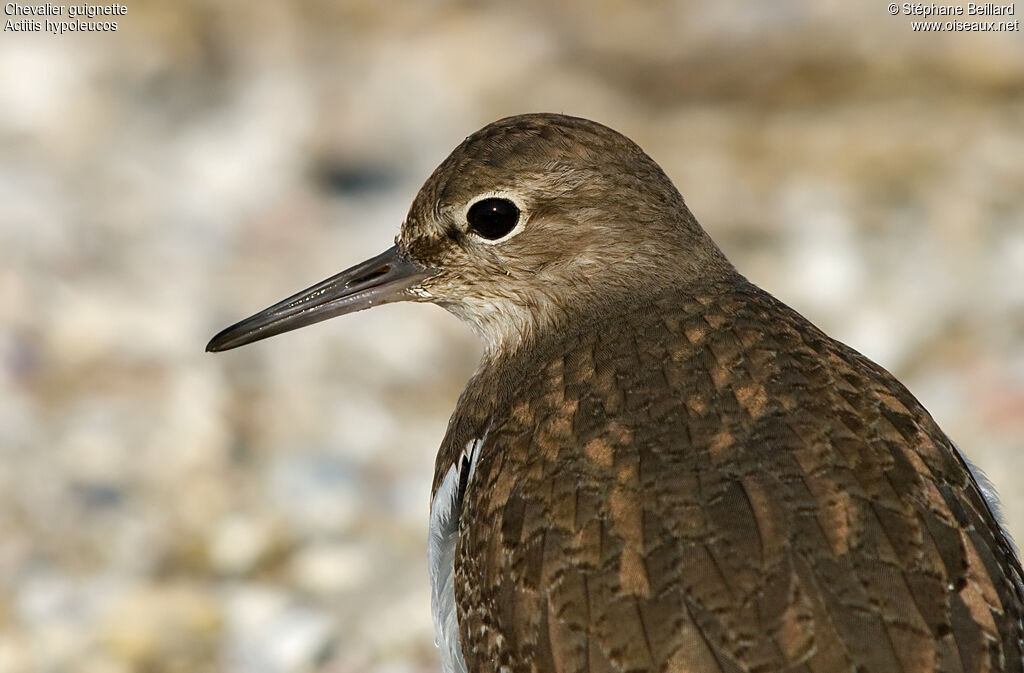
pixel 442 537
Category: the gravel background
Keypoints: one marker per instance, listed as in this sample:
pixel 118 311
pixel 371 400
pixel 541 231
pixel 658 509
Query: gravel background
pixel 264 510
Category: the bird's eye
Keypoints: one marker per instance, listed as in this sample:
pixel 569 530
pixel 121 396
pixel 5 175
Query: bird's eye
pixel 492 218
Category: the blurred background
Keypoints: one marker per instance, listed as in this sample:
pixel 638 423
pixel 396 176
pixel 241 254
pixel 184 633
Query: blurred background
pixel 264 510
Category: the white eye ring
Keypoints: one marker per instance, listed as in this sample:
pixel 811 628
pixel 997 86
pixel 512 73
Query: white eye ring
pixel 507 196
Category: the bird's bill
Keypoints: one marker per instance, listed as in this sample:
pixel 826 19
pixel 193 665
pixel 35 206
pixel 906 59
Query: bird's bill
pixel 386 278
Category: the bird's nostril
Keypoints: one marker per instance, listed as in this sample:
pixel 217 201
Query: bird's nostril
pixel 376 273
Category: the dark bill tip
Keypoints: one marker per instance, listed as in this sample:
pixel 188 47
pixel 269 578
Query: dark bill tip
pixel 386 278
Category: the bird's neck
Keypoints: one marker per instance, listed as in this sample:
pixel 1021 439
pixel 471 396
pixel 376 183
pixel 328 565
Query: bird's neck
pixel 513 330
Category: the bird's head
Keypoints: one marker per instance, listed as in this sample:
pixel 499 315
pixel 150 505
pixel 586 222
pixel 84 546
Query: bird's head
pixel 527 222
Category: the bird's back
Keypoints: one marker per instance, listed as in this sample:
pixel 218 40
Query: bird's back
pixel 704 481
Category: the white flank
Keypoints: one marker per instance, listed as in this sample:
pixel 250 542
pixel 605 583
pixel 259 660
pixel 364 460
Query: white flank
pixel 442 537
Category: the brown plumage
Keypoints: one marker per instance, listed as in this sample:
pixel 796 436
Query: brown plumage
pixel 674 471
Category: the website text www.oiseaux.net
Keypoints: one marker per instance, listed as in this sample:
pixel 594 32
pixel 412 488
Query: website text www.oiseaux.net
pixel 969 17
